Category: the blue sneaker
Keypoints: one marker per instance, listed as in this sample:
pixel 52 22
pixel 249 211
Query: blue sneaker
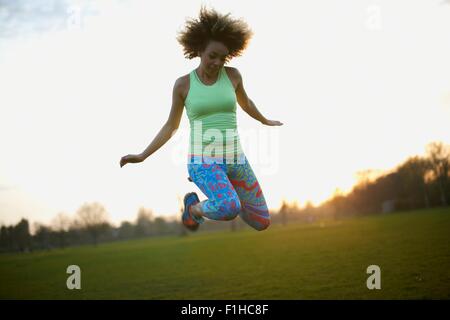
pixel 189 221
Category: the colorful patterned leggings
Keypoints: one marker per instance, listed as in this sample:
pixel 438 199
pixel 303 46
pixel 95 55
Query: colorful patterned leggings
pixel 232 189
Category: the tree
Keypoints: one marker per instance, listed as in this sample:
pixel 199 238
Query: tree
pixel 42 236
pixel 60 225
pixel 4 238
pixel 412 175
pixel 283 212
pixel 439 156
pixel 337 203
pixel 61 222
pixel 126 230
pixel 93 218
pixel 161 226
pixel 144 222
pixel 22 235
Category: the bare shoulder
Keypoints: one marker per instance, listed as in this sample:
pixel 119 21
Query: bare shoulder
pixel 234 75
pixel 181 86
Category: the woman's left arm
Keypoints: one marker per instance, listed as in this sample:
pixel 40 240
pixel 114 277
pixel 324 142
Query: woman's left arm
pixel 247 104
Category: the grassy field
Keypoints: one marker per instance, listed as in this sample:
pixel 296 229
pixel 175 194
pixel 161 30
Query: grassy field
pixel 326 261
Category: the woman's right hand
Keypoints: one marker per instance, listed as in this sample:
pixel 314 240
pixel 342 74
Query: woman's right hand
pixel 131 158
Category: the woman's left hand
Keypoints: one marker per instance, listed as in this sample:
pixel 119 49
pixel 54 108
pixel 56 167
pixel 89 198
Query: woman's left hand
pixel 272 123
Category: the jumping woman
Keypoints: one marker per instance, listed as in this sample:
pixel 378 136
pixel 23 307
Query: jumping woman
pixel 216 162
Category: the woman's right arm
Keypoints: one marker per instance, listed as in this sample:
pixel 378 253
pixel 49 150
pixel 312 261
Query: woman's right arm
pixel 167 131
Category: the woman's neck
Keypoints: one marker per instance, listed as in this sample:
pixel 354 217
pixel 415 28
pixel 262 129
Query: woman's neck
pixel 207 76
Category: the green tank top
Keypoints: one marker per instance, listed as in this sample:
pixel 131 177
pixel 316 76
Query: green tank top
pixel 211 110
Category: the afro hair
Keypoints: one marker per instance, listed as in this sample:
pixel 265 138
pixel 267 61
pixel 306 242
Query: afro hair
pixel 211 25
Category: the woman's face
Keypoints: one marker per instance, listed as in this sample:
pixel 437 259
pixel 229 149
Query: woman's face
pixel 214 57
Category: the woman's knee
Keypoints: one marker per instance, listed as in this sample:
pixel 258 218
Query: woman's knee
pixel 262 225
pixel 259 221
pixel 230 208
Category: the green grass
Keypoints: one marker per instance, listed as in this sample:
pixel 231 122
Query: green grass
pixel 292 262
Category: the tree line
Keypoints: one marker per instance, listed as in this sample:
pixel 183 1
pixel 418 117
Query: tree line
pixel 91 225
pixel 419 182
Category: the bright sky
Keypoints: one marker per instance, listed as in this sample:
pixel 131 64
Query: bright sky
pixel 358 84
